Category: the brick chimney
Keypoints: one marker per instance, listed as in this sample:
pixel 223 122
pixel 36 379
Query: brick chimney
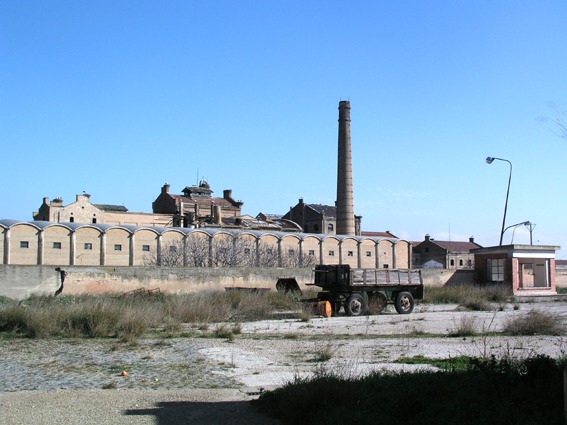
pixel 345 199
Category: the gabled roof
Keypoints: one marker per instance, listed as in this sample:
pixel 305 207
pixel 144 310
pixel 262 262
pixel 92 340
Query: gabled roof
pixel 452 246
pixel 326 210
pixel 379 234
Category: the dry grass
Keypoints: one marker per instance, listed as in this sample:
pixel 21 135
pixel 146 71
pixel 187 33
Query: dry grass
pixel 474 295
pixel 535 323
pixel 128 318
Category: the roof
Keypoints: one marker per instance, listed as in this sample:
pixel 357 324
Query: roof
pixel 108 207
pixel 207 201
pixel 326 210
pixel 451 246
pixel 210 231
pixel 456 246
pixel 385 234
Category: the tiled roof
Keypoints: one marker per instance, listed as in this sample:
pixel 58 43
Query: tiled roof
pixel 456 246
pixel 378 234
pixel 326 210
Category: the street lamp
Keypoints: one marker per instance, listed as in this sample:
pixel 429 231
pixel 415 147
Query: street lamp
pixel 531 226
pixel 489 160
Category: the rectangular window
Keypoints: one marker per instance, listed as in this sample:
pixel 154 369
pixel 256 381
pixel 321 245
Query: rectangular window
pixel 311 252
pixel 24 244
pixel 56 245
pixel 331 253
pixel 94 220
pixel 386 266
pixel 118 247
pixel 88 246
pixel 146 248
pixel 369 253
pixel 350 254
pixel 71 219
pixel 496 268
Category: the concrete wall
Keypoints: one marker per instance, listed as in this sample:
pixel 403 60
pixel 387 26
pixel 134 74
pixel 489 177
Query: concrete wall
pixel 561 277
pixel 20 281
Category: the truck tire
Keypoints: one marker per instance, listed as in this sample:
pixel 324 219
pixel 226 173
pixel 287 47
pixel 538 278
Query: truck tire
pixel 355 305
pixel 404 303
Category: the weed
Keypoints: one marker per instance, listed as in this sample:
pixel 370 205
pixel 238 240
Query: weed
pixel 535 323
pixel 222 331
pixel 466 326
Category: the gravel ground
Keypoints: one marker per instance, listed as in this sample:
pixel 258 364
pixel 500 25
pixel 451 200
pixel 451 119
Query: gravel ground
pixel 178 380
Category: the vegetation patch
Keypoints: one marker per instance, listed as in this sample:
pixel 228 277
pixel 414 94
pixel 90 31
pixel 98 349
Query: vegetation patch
pixel 488 391
pixel 535 322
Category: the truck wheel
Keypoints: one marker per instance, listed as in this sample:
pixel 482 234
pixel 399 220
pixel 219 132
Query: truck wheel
pixel 355 305
pixel 376 302
pixel 404 303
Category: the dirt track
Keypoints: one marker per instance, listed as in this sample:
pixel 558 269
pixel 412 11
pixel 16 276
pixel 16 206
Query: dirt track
pixel 180 377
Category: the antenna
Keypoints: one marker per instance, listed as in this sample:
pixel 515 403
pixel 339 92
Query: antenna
pixel 197 183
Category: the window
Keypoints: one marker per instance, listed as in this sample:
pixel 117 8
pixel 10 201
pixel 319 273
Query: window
pixel 386 266
pixel 146 248
pixel 330 227
pixel 291 252
pixel 24 244
pixel 88 246
pixel 496 269
pixel 247 251
pixel 460 262
pixel 350 254
pixel 452 262
pixel 311 252
pixel 270 252
pixel 118 247
pixel 331 253
pixel 173 249
pixel 94 220
pixel 368 253
pixel 56 245
pixel 71 219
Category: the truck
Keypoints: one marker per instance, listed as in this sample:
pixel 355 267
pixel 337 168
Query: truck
pixel 353 289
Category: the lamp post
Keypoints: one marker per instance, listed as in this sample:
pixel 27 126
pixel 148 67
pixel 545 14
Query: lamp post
pixel 489 160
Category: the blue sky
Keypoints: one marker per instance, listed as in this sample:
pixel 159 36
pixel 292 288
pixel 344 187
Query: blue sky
pixel 117 98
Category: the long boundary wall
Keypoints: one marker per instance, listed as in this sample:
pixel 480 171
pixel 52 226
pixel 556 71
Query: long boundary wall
pixel 21 281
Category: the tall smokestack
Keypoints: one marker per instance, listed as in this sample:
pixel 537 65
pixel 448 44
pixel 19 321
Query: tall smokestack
pixel 345 200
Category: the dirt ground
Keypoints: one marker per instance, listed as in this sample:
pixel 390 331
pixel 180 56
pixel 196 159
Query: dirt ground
pixel 206 378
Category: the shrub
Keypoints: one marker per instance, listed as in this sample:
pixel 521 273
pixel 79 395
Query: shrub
pixel 466 326
pixel 535 323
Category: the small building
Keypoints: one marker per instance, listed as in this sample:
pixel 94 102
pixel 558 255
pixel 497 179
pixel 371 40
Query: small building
pixel 318 219
pixel 452 255
pixel 528 270
pixel 196 205
pixel 82 211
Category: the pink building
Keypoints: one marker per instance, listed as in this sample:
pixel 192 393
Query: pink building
pixel 528 270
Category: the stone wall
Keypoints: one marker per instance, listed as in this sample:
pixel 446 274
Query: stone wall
pixel 19 282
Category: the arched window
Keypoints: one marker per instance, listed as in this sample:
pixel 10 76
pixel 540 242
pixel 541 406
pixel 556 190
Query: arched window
pixel 330 227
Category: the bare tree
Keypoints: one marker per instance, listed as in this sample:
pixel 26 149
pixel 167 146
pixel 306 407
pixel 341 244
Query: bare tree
pixel 236 250
pixel 559 123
